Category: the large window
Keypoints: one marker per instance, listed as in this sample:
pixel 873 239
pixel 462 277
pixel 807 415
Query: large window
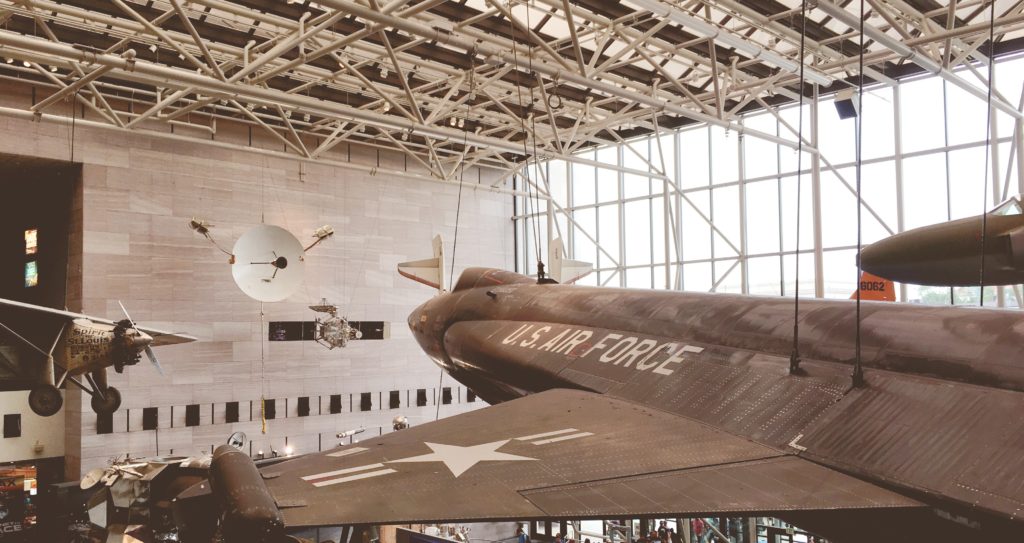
pixel 707 209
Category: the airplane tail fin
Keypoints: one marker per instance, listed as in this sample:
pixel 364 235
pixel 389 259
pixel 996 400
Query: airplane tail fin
pixel 563 270
pixel 429 271
pixel 875 288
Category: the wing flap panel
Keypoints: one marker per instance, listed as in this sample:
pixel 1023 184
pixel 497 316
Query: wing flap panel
pixel 775 484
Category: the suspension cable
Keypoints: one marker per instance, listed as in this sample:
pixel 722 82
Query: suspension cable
pixel 531 216
pixel 462 174
pixel 794 357
pixel 858 371
pixel 988 151
pixel 438 398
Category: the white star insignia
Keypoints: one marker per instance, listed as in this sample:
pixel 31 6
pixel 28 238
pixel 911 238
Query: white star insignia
pixel 460 459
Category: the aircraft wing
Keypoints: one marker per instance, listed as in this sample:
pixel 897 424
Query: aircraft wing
pixel 560 453
pixel 68 315
pixel 160 337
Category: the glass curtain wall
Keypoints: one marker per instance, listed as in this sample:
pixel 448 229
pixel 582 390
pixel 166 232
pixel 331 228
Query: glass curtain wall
pixel 707 209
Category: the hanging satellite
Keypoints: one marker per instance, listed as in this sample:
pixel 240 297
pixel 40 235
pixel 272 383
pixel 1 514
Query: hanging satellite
pixel 333 331
pixel 267 262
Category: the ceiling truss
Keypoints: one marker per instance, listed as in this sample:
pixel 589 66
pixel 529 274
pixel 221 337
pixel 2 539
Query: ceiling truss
pixel 489 83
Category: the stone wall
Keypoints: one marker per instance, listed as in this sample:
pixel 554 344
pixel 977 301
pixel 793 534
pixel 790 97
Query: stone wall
pixel 138 193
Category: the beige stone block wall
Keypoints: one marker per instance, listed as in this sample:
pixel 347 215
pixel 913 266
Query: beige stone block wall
pixel 138 192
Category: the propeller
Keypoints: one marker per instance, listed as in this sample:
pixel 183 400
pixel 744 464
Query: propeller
pixel 148 349
pixel 152 358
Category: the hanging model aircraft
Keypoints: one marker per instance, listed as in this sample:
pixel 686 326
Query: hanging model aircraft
pixel 617 403
pixel 82 347
pixel 948 254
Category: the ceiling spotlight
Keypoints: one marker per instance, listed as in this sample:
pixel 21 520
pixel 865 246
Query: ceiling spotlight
pixel 384 73
pixel 387 107
pixel 405 136
pixel 288 449
pixel 152 48
pixel 10 60
pixel 53 69
pixel 306 117
pixel 462 123
pixel 26 64
pixel 453 121
pixel 181 56
pixel 287 114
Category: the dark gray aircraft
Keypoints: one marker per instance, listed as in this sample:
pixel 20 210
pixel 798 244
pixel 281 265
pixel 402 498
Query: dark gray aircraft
pixel 616 403
pixel 948 254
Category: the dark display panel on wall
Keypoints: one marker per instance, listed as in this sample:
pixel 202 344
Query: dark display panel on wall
pixel 37 222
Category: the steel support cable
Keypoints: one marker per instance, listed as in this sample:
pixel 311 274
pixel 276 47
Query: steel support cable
pixel 533 141
pixel 455 241
pixel 858 371
pixel 531 217
pixel 794 357
pixel 988 153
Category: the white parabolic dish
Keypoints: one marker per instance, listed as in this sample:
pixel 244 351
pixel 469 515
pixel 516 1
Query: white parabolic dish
pixel 268 263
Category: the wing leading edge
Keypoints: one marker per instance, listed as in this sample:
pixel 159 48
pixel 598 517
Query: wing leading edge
pixel 160 337
pixel 560 453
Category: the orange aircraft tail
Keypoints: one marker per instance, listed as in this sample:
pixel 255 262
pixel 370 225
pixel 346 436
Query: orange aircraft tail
pixel 875 288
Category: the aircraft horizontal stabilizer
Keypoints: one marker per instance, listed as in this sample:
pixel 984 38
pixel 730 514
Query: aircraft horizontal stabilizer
pixel 429 271
pixel 562 269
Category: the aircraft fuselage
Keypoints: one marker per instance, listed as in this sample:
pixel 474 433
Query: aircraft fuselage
pixel 938 418
pixel 88 346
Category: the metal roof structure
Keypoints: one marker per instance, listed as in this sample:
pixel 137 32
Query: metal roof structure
pixel 476 82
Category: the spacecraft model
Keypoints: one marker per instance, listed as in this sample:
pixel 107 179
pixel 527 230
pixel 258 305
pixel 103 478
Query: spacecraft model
pixel 333 331
pixel 267 262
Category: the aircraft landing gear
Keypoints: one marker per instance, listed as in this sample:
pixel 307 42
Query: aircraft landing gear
pixel 45 400
pixel 109 403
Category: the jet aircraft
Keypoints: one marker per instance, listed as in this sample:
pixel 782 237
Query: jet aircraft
pixel 619 403
pixel 948 254
pixel 80 345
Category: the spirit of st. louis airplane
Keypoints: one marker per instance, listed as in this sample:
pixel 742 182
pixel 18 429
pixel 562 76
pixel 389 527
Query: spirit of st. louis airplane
pixel 82 347
pixel 619 403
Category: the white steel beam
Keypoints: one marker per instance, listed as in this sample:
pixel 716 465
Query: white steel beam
pixel 708 30
pixel 912 55
pixel 450 38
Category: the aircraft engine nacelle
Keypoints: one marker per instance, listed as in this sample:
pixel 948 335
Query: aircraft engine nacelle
pixel 250 512
pixel 948 254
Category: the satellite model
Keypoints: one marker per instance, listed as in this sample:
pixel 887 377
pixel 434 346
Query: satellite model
pixel 333 331
pixel 267 262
